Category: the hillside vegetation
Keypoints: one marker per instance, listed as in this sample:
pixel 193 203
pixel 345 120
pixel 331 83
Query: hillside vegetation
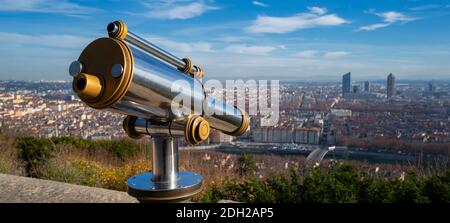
pixel 248 178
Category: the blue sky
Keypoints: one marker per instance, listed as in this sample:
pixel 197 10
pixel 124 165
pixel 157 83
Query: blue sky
pixel 287 40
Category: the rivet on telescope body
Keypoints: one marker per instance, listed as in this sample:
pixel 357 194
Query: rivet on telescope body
pixel 116 70
pixel 76 67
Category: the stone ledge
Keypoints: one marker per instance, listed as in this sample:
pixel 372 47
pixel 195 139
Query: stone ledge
pixel 16 189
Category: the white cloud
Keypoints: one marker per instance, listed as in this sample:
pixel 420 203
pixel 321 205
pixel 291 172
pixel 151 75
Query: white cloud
pixel 180 47
pixel 176 9
pixel 56 41
pixel 389 18
pixel 374 26
pixel 252 50
pixel 31 57
pixel 336 54
pixel 45 6
pixel 306 54
pixel 315 54
pixel 317 10
pixel 230 39
pixel 270 24
pixel 260 4
pixel 392 16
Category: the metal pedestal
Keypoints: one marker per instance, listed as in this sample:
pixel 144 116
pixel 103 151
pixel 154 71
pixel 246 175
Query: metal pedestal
pixel 165 183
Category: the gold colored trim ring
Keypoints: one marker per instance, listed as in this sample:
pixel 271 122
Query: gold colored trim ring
pixel 196 129
pixel 188 67
pixel 244 126
pixel 200 73
pixel 122 31
pixel 98 58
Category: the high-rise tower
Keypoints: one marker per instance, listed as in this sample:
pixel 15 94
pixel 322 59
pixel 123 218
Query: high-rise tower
pixel 346 84
pixel 391 90
pixel 367 86
pixel 430 88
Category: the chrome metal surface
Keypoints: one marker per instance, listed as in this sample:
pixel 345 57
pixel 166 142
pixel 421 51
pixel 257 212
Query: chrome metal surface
pixel 154 86
pixel 144 188
pixel 170 128
pixel 165 183
pixel 140 126
pixel 143 181
pixel 116 70
pixel 75 68
pixel 156 51
pixel 153 129
pixel 150 127
pixel 177 128
pixel 165 161
pixel 222 116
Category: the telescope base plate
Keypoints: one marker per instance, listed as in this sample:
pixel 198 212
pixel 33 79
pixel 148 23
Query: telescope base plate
pixel 143 188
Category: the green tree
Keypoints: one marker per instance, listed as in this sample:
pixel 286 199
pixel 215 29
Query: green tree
pixel 34 152
pixel 437 188
pixel 407 190
pixel 246 165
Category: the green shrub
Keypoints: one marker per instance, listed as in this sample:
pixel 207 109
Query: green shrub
pixel 407 191
pixel 121 148
pixel 437 188
pixel 283 189
pixel 34 152
pixel 213 195
pixel 374 190
pixel 338 183
pixel 246 165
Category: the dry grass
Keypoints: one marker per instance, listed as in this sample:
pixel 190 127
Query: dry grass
pixel 103 169
pixel 9 163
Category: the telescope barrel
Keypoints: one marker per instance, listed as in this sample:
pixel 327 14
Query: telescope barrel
pixel 154 50
pixel 114 30
pixel 132 76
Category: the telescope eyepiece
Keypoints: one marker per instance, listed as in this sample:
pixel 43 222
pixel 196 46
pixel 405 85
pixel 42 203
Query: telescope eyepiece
pixel 87 85
pixel 81 84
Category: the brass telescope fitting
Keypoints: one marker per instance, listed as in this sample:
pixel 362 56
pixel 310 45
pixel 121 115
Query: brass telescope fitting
pixel 196 129
pixel 100 60
pixel 87 85
pixel 117 29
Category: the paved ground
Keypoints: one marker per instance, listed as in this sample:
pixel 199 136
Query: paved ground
pixel 23 189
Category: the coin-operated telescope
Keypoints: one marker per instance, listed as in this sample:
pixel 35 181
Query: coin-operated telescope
pixel 125 73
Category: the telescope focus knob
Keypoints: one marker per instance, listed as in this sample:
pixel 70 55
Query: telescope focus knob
pixel 196 129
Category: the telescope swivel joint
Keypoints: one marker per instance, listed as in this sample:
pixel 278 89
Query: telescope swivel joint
pixel 194 128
